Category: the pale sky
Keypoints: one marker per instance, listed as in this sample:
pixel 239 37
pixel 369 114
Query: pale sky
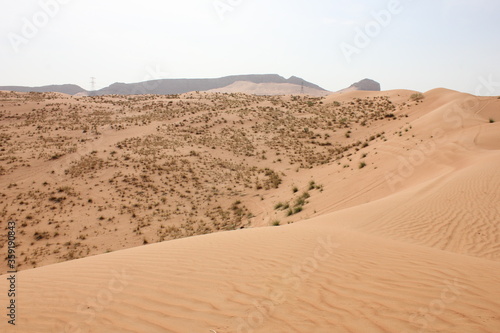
pixel 413 44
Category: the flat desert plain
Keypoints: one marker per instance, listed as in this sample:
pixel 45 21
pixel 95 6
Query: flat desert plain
pixel 224 212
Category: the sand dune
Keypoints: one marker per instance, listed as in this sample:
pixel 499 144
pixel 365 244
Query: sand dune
pixel 308 277
pixel 269 89
pixel 397 96
pixel 408 243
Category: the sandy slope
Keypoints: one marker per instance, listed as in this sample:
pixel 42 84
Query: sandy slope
pixel 269 89
pixel 307 277
pixel 409 244
pixel 397 96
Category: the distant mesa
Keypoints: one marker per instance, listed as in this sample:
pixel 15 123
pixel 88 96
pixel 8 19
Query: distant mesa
pixel 367 85
pixel 363 85
pixel 258 84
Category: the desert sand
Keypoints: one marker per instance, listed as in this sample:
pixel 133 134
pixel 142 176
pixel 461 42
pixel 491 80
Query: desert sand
pixel 355 212
pixel 269 89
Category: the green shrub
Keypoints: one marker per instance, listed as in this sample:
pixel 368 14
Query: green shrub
pixel 282 206
pixel 312 185
pixel 362 165
pixel 300 201
pixel 417 97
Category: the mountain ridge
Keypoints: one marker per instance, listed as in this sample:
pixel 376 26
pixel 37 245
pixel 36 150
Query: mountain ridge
pixel 70 89
pixel 180 86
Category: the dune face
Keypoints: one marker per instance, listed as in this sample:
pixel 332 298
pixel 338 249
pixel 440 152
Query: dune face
pixel 355 212
pixel 270 89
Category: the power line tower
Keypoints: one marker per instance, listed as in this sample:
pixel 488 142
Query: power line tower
pixel 92 86
pixel 302 87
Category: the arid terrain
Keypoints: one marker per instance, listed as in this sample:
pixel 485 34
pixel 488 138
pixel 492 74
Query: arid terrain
pixel 226 212
pixel 90 175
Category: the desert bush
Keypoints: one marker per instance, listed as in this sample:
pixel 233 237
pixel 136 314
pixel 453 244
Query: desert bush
pixel 301 201
pixel 279 205
pixel 417 97
pixel 41 235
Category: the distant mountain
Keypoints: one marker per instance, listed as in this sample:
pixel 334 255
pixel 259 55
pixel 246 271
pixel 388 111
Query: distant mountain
pixel 260 84
pixel 180 86
pixel 70 89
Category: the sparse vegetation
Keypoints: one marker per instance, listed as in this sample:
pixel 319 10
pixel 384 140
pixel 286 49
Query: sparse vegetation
pixel 417 97
pixel 312 185
pixel 301 200
pixel 281 206
pixel 185 165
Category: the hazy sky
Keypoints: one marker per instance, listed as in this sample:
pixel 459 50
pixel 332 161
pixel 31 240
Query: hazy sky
pixel 419 44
